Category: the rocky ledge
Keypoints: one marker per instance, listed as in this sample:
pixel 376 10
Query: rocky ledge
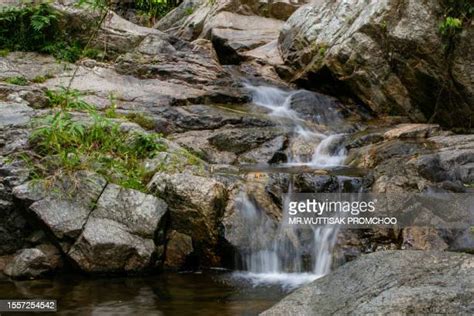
pixel 389 282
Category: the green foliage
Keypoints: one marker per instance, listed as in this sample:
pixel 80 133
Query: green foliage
pixel 19 81
pixel 155 8
pixel 457 13
pixel 450 26
pixel 4 52
pixel 98 145
pixel 67 99
pixel 41 79
pixel 188 11
pixel 36 27
pixel 94 4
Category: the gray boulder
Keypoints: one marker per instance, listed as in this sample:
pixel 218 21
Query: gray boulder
pixel 389 282
pixel 390 54
pixel 65 207
pixel 102 228
pixel 120 232
pixel 34 262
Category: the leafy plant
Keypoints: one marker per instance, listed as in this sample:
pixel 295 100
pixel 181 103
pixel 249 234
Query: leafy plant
pixel 98 145
pixel 457 13
pixel 19 81
pixel 155 8
pixel 67 99
pixel 4 52
pixel 450 26
pixel 41 79
pixel 36 27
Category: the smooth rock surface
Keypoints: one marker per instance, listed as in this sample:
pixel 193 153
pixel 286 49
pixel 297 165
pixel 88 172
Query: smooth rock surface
pixel 389 282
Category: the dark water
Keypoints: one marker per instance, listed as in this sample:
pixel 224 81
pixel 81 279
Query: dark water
pixel 167 294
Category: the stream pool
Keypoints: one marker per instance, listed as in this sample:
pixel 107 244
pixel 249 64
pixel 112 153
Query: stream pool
pixel 165 294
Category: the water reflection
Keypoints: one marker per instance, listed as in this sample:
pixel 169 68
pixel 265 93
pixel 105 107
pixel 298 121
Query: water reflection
pixel 167 294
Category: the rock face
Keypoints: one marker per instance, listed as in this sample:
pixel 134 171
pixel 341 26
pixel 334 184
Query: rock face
pixel 101 227
pixel 401 282
pixel 187 21
pixel 34 262
pixel 233 34
pixel 196 205
pixel 178 248
pixel 120 232
pixel 389 54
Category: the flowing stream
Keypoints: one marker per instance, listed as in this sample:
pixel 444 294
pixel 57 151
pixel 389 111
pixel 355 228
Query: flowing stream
pixel 295 256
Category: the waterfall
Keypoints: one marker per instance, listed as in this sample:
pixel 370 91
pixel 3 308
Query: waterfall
pixel 295 255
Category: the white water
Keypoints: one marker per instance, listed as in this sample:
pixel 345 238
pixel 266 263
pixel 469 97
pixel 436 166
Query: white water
pixel 284 259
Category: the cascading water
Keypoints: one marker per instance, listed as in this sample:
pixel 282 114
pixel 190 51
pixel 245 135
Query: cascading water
pixel 293 256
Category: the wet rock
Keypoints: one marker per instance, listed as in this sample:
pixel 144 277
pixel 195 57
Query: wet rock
pixel 311 183
pixel 120 232
pixel 34 262
pixel 196 204
pixel 178 247
pixel 246 225
pixel 387 282
pixel 358 140
pixel 265 152
pixel 316 107
pixel 242 140
pixel 14 228
pixel 4 260
pixel 372 48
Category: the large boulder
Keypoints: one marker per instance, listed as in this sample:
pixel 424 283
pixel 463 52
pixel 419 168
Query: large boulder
pixel 120 232
pixel 188 20
pixel 389 282
pixel 389 54
pixel 233 34
pixel 196 205
pixel 101 227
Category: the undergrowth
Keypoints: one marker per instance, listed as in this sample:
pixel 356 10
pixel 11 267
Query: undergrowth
pixel 36 27
pixel 66 145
